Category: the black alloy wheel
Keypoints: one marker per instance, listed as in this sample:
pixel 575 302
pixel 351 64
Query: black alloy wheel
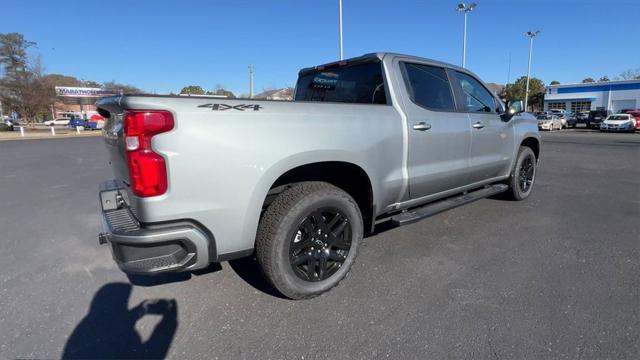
pixel 526 173
pixel 321 245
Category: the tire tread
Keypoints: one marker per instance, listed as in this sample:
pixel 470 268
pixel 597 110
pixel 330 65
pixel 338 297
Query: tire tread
pixel 269 228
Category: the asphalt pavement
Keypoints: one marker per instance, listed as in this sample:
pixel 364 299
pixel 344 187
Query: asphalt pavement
pixel 553 277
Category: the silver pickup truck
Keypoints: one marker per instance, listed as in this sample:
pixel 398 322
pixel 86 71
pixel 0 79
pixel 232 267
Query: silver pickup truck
pixel 381 137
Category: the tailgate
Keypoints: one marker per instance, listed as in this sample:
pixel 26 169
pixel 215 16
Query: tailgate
pixel 113 136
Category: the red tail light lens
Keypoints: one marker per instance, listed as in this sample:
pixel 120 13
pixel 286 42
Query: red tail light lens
pixel 147 170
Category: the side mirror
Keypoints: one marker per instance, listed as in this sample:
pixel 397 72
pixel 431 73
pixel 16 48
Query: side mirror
pixel 513 108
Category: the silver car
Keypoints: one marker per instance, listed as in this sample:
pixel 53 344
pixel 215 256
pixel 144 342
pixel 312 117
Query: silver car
pixel 549 122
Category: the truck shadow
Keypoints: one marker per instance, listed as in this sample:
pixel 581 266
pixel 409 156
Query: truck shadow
pixel 248 270
pixel 108 330
pixel 382 227
pixel 167 278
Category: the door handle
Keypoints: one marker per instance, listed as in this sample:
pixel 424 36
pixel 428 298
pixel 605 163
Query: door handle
pixel 421 126
pixel 478 125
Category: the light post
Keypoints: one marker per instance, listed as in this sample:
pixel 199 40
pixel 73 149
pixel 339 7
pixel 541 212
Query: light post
pixel 251 81
pixel 465 10
pixel 530 35
pixel 340 29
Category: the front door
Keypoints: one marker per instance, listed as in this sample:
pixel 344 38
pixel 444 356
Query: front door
pixel 492 140
pixel 439 136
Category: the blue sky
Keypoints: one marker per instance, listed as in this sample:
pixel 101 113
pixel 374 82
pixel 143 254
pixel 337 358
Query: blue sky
pixel 162 45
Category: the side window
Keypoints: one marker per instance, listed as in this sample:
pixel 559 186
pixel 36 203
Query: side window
pixel 429 87
pixel 475 97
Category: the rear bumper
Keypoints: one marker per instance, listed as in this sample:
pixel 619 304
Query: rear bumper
pixel 140 248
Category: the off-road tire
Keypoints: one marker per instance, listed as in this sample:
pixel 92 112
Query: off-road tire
pixel 515 191
pixel 279 225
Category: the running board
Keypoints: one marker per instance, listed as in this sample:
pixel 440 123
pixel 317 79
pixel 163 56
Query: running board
pixel 411 216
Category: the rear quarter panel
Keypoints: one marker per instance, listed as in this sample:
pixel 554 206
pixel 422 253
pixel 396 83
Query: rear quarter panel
pixel 221 163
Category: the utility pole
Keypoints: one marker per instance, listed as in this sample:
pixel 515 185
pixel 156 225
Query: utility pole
pixel 251 81
pixel 530 35
pixel 509 69
pixel 340 30
pixel 465 10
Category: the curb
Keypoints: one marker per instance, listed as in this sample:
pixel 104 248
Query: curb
pixel 49 137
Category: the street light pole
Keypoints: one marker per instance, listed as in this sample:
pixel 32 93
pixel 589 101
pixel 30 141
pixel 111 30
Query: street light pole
pixel 530 35
pixel 251 81
pixel 465 10
pixel 464 41
pixel 340 29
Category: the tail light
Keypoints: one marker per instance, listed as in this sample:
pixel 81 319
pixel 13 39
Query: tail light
pixel 147 170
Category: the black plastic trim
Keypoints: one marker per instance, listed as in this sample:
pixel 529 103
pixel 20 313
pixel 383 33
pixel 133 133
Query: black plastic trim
pixel 234 255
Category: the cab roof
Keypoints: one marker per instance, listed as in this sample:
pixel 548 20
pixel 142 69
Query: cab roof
pixel 377 56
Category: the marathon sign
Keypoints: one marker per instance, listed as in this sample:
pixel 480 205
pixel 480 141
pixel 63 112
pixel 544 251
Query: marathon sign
pixel 83 92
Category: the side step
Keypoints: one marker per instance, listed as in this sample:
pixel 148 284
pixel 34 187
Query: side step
pixel 411 216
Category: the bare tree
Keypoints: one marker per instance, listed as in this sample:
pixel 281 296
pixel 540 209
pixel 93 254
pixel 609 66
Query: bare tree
pixel 26 92
pixel 630 74
pixel 220 90
pixel 122 88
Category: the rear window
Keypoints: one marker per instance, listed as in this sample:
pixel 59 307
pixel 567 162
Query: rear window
pixel 360 83
pixel 429 86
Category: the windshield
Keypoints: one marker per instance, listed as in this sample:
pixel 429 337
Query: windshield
pixel 544 117
pixel 618 117
pixel 361 83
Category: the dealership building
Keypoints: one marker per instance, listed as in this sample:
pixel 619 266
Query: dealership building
pixel 610 95
pixel 77 100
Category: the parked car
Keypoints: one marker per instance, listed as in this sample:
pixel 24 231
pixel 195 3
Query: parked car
pixel 299 183
pixel 564 119
pixel 636 115
pixel 619 122
pixel 581 118
pixel 549 122
pixel 572 120
pixel 95 122
pixel 596 117
pixel 58 121
pixel 77 122
pixel 11 123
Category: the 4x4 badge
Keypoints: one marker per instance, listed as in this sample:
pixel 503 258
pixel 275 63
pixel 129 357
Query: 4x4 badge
pixel 223 107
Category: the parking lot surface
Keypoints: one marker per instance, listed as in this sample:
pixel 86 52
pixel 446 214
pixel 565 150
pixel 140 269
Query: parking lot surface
pixel 553 277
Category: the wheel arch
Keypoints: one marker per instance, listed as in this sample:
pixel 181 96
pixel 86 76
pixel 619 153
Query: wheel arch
pixel 345 175
pixel 533 144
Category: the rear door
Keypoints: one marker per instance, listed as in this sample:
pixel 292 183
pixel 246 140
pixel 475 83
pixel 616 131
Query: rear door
pixel 439 136
pixel 492 140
